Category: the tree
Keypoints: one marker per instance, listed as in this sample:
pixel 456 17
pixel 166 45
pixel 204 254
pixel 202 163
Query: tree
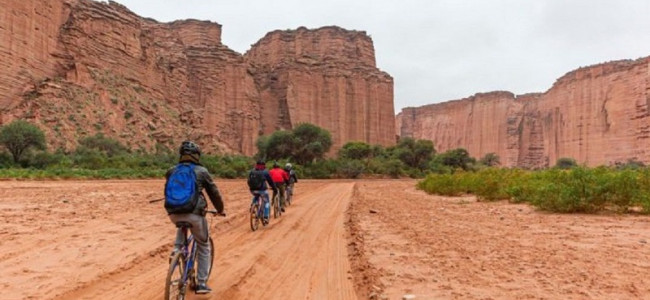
pixel 19 136
pixel 456 158
pixel 280 145
pixel 303 144
pixel 414 153
pixel 356 150
pixel 491 159
pixel 311 142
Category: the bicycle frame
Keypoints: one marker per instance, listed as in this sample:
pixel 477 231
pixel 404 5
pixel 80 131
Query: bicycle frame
pixel 189 264
pixel 260 208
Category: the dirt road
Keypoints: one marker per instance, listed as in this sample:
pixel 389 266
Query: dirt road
pixel 340 240
pixel 101 240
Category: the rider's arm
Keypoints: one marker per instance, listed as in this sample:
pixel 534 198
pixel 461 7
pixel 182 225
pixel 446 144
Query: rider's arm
pixel 270 181
pixel 211 189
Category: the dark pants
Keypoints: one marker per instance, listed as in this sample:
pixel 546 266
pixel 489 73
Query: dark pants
pixel 281 188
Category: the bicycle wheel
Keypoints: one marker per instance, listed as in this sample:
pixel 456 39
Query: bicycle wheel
pixel 174 285
pixel 276 207
pixel 287 194
pixel 255 220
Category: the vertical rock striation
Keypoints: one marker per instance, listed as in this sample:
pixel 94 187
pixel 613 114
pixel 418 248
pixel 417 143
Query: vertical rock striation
pixel 598 115
pixel 325 77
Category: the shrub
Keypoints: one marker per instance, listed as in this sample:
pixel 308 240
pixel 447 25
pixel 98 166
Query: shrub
pixel 350 168
pixel 566 163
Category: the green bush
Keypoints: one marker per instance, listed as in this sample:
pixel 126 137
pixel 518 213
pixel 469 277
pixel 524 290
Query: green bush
pixel 566 163
pixel 350 168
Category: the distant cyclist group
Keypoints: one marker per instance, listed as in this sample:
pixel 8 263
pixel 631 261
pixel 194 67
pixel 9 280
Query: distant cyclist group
pixel 191 257
pixel 278 179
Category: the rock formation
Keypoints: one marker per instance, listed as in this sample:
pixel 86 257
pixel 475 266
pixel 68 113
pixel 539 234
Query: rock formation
pixel 325 77
pixel 598 115
pixel 78 67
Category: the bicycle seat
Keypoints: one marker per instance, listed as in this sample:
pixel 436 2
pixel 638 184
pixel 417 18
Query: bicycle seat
pixel 183 224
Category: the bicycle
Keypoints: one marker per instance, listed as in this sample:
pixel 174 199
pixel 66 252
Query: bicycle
pixel 275 203
pixel 288 194
pixel 183 264
pixel 257 212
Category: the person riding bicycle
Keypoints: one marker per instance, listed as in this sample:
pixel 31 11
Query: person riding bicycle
pixel 292 176
pixel 190 153
pixel 258 177
pixel 281 180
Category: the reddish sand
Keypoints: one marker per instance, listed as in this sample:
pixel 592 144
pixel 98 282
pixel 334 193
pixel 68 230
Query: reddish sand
pixel 103 240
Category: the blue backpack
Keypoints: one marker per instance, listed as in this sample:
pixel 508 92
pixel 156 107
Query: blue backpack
pixel 181 190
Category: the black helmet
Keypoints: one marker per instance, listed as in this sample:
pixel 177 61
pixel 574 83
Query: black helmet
pixel 189 147
pixel 261 162
pixel 275 164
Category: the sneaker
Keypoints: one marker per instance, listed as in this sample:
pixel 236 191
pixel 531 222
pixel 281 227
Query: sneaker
pixel 203 288
pixel 265 221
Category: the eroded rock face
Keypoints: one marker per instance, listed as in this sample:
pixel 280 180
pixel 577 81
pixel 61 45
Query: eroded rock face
pixel 598 115
pixel 78 67
pixel 325 77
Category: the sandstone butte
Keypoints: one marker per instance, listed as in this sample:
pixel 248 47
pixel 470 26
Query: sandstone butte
pixel 80 67
pixel 598 115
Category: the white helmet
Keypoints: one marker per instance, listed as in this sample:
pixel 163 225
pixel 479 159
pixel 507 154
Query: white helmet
pixel 288 166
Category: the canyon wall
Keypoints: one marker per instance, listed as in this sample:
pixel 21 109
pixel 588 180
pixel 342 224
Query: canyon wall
pixel 325 77
pixel 597 115
pixel 80 67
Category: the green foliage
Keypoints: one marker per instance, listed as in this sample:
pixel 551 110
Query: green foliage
pixel 19 136
pixel 414 153
pixel 280 144
pixel 578 189
pixel 321 169
pixel 356 150
pixel 106 145
pixel 491 160
pixel 566 163
pixel 350 168
pixel 303 144
pixel 312 142
pixel 456 158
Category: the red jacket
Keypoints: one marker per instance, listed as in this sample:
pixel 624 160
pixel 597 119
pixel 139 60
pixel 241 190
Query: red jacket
pixel 278 175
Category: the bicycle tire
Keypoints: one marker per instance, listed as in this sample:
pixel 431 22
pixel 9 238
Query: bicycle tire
pixel 276 206
pixel 176 265
pixel 287 200
pixel 255 220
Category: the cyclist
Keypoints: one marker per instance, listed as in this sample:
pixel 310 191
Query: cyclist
pixel 190 155
pixel 292 176
pixel 281 179
pixel 258 177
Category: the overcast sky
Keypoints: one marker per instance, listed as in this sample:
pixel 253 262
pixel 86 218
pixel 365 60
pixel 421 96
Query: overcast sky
pixel 444 50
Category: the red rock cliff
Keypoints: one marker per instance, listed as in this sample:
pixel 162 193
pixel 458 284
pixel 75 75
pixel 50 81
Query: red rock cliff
pixel 326 77
pixel 77 67
pixel 598 115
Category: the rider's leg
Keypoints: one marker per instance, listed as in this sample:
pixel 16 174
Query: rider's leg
pixel 281 190
pixel 267 206
pixel 180 236
pixel 200 231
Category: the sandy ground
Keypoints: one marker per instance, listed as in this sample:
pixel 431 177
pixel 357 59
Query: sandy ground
pixel 456 248
pixel 102 240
